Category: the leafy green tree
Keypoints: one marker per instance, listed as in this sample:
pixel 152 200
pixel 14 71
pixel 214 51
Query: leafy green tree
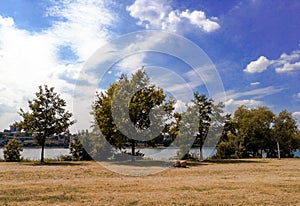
pixel 210 120
pixel 12 151
pixel 285 133
pixel 204 111
pixel 47 116
pixel 201 118
pixel 138 106
pixel 254 129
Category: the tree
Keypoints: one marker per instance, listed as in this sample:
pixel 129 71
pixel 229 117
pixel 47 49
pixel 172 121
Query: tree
pixel 12 151
pixel 204 110
pixel 226 149
pixel 95 144
pixel 47 116
pixel 132 110
pixel 285 133
pixel 254 129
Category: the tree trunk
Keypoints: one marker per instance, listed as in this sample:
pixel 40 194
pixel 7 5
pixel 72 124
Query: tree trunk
pixel 201 154
pixel 278 150
pixel 43 148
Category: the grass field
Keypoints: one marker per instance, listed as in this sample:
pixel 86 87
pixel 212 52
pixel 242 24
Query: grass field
pixel 236 182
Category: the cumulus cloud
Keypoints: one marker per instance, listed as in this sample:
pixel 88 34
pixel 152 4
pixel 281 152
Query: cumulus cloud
pixel 29 59
pixel 159 14
pixel 258 65
pixel 288 67
pixel 297 116
pixel 285 63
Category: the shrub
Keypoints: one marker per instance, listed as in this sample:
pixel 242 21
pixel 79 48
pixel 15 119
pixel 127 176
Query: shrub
pixel 226 150
pixel 12 151
pixel 77 151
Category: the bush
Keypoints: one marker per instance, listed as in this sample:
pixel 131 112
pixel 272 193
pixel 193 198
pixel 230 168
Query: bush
pixel 226 150
pixel 12 151
pixel 65 158
pixel 77 151
pixel 128 156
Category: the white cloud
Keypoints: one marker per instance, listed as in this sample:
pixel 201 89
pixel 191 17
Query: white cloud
pixel 199 19
pixel 254 83
pixel 150 13
pixel 247 102
pixel 132 63
pixel 255 93
pixel 288 67
pixel 232 104
pixel 29 59
pixel 285 63
pixel 159 14
pixel 297 116
pixel 249 98
pixel 258 65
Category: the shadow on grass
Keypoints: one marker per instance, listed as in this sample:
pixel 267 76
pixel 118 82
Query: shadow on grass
pixel 196 163
pixel 154 163
pixel 139 163
pixel 234 161
pixel 58 163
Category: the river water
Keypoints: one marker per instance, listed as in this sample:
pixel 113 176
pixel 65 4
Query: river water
pixel 35 153
pixel 153 153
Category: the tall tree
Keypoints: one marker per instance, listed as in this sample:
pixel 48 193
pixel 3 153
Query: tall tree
pixel 254 128
pixel 131 109
pixel 209 120
pixel 286 133
pixel 204 109
pixel 46 116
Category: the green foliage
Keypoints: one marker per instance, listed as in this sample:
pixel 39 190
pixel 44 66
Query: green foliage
pixel 285 133
pixel 47 116
pixel 95 144
pixel 254 131
pixel 226 150
pixel 140 98
pixel 77 150
pixel 253 128
pixel 12 151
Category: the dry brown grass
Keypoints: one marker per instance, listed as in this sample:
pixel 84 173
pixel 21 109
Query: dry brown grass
pixel 252 182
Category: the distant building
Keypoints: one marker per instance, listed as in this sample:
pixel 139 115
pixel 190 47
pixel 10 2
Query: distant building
pixel 13 129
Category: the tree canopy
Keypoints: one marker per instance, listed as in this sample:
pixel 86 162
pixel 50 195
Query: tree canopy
pixel 252 132
pixel 132 110
pixel 46 116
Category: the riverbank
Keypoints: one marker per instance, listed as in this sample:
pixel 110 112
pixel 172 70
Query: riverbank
pixel 234 182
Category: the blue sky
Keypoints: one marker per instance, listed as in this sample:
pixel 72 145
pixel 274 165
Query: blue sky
pixel 254 46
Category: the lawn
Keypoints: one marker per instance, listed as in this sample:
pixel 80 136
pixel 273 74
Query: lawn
pixel 247 182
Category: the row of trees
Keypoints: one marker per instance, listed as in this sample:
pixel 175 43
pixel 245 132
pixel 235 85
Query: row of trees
pixel 134 111
pixel 258 131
